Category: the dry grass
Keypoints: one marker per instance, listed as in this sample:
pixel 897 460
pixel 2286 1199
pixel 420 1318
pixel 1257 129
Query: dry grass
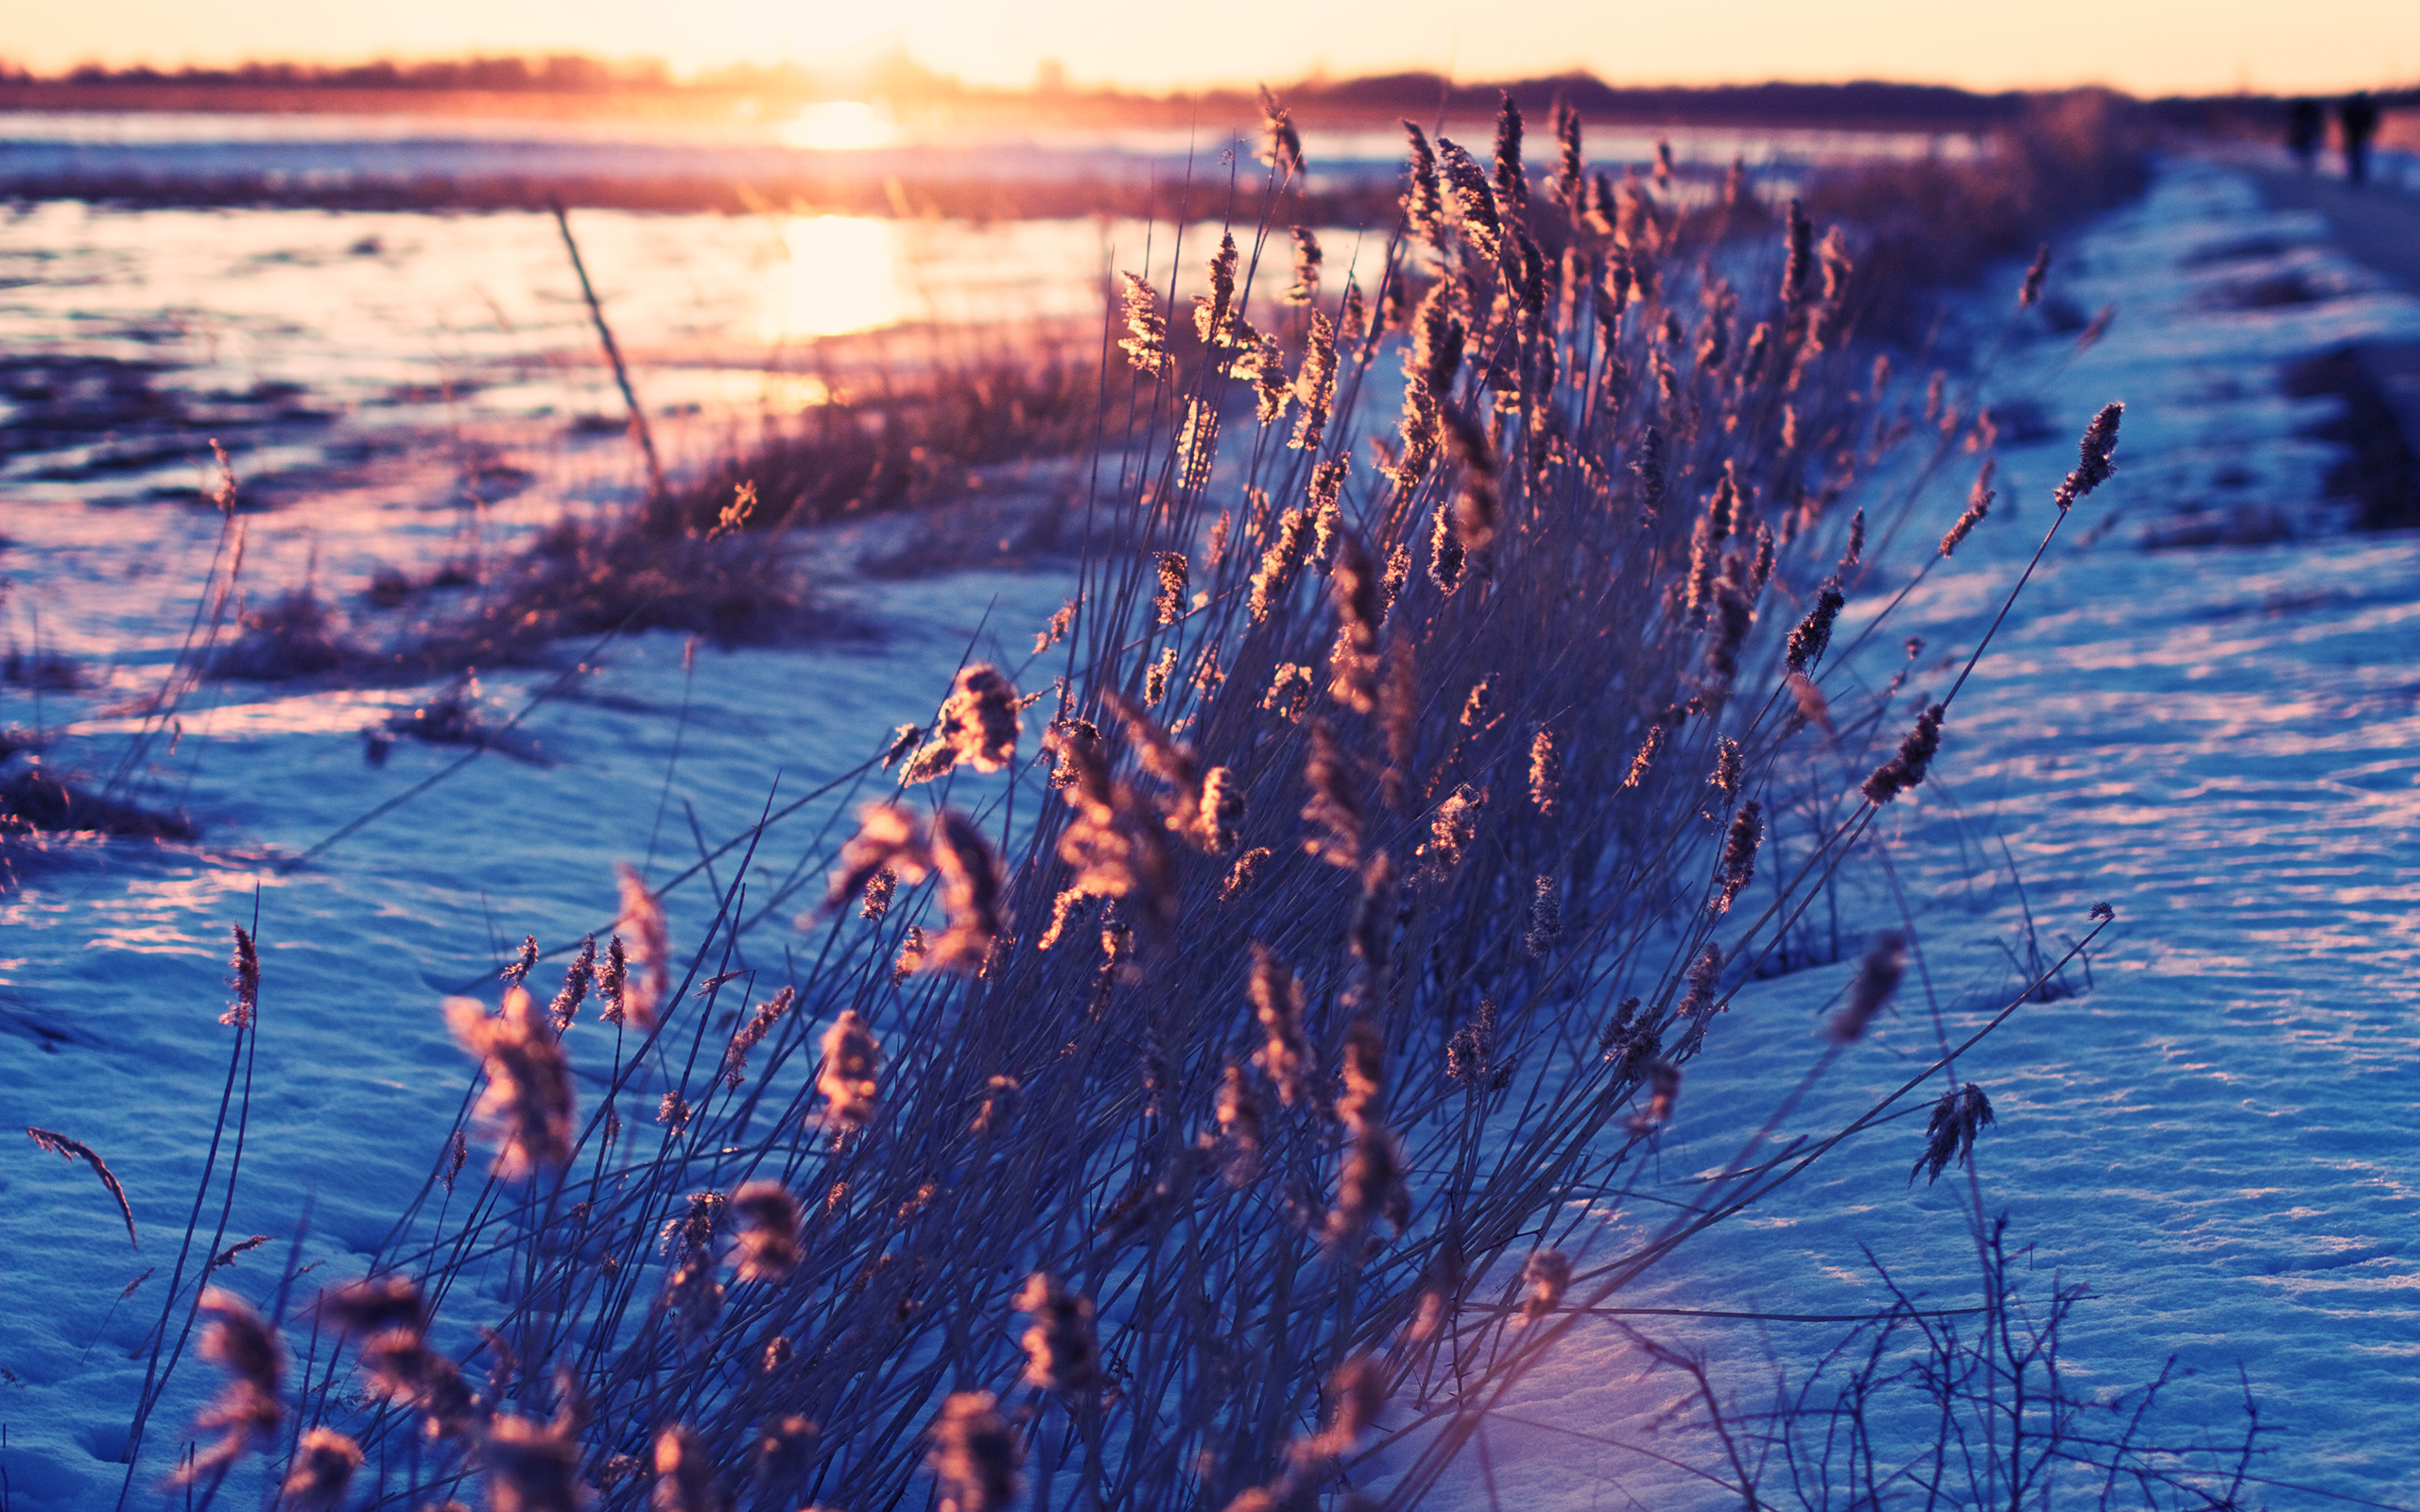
pixel 1933 225
pixel 1253 1011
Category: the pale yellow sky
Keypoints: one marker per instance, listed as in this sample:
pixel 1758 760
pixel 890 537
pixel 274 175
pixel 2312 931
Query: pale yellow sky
pixel 2145 45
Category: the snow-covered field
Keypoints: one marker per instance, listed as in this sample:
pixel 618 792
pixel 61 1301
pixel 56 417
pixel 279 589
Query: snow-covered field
pixel 2223 743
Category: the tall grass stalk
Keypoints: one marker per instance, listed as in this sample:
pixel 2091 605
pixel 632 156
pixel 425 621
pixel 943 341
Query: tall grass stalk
pixel 1256 975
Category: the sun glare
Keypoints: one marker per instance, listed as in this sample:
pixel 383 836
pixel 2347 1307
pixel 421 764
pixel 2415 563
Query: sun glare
pixel 843 276
pixel 840 125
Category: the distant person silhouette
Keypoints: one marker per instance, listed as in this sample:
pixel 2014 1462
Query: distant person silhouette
pixel 2359 115
pixel 2305 129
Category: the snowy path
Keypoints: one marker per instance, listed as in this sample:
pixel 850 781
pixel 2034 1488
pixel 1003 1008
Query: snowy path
pixel 2222 1140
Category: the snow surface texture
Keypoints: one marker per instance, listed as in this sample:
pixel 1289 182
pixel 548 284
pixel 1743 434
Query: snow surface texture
pixel 2217 1138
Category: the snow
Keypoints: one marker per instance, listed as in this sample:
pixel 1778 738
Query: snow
pixel 2219 1137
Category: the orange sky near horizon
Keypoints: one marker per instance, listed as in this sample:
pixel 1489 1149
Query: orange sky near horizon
pixel 2146 47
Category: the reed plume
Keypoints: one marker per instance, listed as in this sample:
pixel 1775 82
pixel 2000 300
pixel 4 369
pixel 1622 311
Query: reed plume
pixel 1315 383
pixel 768 1237
pixel 1705 542
pixel 245 979
pixel 324 1462
pixel 517 970
pixel 1474 200
pixel 2031 290
pixel 1569 185
pixel 1950 1133
pixel 1799 258
pixel 526 1107
pixel 649 949
pixel 246 1412
pixel 74 1150
pixel 1306 287
pixel 375 1304
pixel 1146 342
pixel 1423 201
pixel 1285 1056
pixel 1060 1352
pixel 1737 866
pixel 532 1465
pixel 1645 759
pixel 1511 181
pixel 1213 314
pixel 1915 758
pixel 1237 1111
pixel 1282 150
pixel 1334 810
pixel 401 1367
pixel 1476 499
pixel 974 1454
pixel 1663 1089
pixel 1197 444
pixel 979 722
pixel 1547 1274
pixel 579 978
pixel 847 1076
pixel 1878 978
pixel 1167 608
pixel 1278 563
pixel 2093 463
pixel 1546 918
pixel 1813 635
pixel 1979 503
pixel 685 1478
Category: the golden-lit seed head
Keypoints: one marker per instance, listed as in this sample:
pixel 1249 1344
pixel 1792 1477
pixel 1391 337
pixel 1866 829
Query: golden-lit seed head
pixel 1146 342
pixel 769 1217
pixel 974 1454
pixel 1878 978
pixel 649 949
pixel 1545 772
pixel 322 1467
pixel 847 1078
pixel 1548 1273
pixel 1061 1351
pixel 526 1105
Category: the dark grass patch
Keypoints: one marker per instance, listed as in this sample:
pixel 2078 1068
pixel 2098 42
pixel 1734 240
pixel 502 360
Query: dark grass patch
pixel 451 718
pixel 37 801
pixel 42 671
pixel 2251 249
pixel 2279 291
pixel 719 556
pixel 292 636
pixel 2237 525
pixel 912 440
pixel 2379 470
pixel 1934 224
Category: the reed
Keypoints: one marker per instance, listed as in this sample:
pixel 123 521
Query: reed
pixel 1380 915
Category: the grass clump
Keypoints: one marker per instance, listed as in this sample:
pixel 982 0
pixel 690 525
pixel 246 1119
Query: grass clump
pixel 1933 224
pixel 1274 987
pixel 719 555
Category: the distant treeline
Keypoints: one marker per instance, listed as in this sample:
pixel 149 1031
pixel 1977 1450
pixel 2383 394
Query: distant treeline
pixel 559 74
pixel 1863 103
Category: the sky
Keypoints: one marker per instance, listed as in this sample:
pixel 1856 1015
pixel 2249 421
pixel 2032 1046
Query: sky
pixel 2146 47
